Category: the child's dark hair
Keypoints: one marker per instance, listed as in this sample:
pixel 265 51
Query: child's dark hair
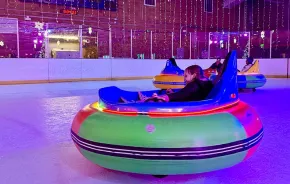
pixel 173 62
pixel 195 69
pixel 250 59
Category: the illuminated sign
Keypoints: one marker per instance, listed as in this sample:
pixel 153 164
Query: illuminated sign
pixel 70 12
pixel 110 5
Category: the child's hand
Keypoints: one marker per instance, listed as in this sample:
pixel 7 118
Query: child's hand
pixel 163 98
pixel 168 91
pixel 154 95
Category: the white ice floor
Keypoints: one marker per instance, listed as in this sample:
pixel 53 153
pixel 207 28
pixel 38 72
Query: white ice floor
pixel 35 143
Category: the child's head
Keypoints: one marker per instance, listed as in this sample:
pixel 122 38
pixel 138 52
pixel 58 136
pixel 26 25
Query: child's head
pixel 173 62
pixel 218 60
pixel 249 60
pixel 193 72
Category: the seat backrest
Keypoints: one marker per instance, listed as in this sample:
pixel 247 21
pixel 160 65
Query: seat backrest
pixel 171 69
pixel 254 68
pixel 225 84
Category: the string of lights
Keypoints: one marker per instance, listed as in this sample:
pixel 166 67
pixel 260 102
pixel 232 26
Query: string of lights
pixel 252 22
pixel 277 25
pixel 15 7
pixel 173 22
pixel 15 4
pixel 211 22
pixel 186 38
pixel 217 16
pixel 180 22
pixel 160 14
pixel 282 12
pixel 134 15
pixel 155 25
pixel 165 31
pixel 269 23
pixel 191 4
pixel 48 4
pixel 41 9
pixel 245 15
pixel 110 4
pixel 124 20
pixel 170 10
pixel 201 15
pixel 195 28
pixel 264 24
pixel 225 18
pixel 229 29
pixel 165 25
pixel 239 24
pixel 223 14
pixel 229 13
pixel 248 46
pixel 205 31
pixel 145 20
pixel 84 15
pixel 258 15
pixel 264 14
pixel 64 5
pixel 7 8
pixel 174 15
pixel 71 15
pixel 134 22
pixel 288 24
pixel 57 13
pixel 234 19
pixel 99 15
pixel 129 11
pixel 32 5
pixel 98 23
pixel 24 9
pixel 186 9
pixel 78 6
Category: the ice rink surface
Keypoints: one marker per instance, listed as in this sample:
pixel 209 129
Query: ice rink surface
pixel 35 143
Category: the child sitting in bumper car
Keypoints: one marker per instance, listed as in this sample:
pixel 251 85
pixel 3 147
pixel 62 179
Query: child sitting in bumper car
pixel 249 64
pixel 197 88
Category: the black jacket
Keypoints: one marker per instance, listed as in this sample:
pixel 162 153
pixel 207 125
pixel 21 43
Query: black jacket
pixel 194 91
pixel 216 66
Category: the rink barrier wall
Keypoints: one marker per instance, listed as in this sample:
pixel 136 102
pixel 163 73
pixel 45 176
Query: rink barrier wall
pixel 28 71
pixel 288 68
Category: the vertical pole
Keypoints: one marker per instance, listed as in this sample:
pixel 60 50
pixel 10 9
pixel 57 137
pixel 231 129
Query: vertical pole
pixel 17 39
pixel 208 45
pixel 249 49
pixel 97 42
pixel 180 37
pixel 172 45
pixel 229 39
pixel 288 68
pixel 131 48
pixel 110 42
pixel 151 44
pixel 190 45
pixel 271 37
pixel 81 40
pixel 46 45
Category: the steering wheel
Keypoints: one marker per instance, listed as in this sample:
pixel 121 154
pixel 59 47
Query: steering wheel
pixel 155 99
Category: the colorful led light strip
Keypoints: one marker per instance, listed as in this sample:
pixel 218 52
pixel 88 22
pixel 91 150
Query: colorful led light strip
pixel 202 112
pixel 164 114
